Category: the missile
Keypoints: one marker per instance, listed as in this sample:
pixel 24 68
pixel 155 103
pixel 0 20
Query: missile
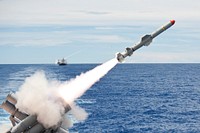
pixel 145 41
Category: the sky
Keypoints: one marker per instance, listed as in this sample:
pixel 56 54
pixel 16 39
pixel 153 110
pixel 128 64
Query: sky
pixel 92 31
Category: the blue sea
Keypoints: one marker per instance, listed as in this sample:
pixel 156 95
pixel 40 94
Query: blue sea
pixel 130 98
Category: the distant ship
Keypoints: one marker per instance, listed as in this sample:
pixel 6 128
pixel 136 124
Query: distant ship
pixel 61 62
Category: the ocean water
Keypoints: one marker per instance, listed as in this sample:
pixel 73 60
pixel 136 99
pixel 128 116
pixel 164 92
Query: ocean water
pixel 130 98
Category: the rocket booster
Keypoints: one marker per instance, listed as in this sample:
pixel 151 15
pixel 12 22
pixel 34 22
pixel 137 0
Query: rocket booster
pixel 145 41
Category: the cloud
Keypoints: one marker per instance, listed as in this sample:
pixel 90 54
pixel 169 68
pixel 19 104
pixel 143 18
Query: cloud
pixel 101 38
pixel 32 39
pixel 94 12
pixel 57 35
pixel 86 22
pixel 98 12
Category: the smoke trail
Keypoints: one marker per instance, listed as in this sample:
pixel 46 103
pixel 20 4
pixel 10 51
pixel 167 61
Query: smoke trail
pixel 75 88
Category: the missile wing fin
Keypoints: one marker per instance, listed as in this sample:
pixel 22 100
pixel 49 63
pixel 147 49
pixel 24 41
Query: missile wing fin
pixel 147 39
pixel 147 43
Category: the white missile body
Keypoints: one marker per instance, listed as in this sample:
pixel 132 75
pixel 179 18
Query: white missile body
pixel 145 41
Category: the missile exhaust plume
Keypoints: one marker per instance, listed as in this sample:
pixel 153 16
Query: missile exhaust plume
pixel 40 96
pixel 76 87
pixel 37 96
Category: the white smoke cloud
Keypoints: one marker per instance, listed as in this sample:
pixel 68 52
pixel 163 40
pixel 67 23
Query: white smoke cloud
pixel 67 123
pixel 79 113
pixel 37 96
pixel 41 97
pixel 4 127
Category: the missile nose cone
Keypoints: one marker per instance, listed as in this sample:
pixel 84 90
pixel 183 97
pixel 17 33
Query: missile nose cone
pixel 172 21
